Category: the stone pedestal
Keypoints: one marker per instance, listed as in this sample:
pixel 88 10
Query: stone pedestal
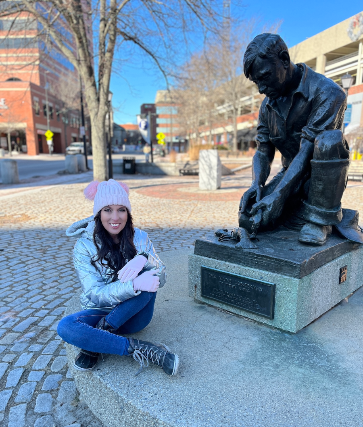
pixel 282 283
pixel 233 372
pixel 71 164
pixel 81 162
pixel 210 170
pixel 9 171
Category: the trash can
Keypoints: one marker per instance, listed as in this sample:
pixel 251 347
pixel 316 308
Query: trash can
pixel 129 165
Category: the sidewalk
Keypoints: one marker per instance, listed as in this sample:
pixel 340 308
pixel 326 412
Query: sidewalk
pixel 37 276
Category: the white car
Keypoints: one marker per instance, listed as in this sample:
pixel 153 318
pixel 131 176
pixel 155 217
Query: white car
pixel 77 148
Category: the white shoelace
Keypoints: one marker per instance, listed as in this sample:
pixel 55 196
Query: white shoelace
pixel 150 354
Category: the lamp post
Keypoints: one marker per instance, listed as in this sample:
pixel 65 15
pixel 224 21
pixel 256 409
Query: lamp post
pixel 109 106
pixel 83 130
pixel 347 82
pixel 65 122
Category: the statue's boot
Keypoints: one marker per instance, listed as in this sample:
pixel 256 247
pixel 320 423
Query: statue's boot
pixel 314 234
pixel 323 207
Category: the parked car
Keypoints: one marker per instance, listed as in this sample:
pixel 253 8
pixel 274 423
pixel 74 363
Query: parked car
pixel 77 148
pixel 159 150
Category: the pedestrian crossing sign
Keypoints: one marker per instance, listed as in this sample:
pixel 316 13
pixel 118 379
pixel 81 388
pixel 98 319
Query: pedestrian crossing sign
pixel 49 134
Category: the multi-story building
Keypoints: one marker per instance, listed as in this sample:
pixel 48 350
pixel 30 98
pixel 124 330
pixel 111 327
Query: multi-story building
pixel 36 82
pixel 333 52
pixel 167 121
pixel 132 135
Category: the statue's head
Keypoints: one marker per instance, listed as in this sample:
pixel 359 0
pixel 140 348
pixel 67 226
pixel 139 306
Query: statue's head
pixel 267 63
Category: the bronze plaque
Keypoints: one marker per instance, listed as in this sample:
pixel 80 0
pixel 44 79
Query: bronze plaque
pixel 248 294
pixel 343 274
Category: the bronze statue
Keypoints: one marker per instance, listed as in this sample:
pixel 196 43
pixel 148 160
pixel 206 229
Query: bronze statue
pixel 302 117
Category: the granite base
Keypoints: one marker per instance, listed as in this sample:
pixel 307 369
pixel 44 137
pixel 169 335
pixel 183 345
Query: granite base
pixel 302 282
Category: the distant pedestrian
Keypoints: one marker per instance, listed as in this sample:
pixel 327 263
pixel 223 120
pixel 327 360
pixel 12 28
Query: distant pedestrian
pixel 120 273
pixel 147 150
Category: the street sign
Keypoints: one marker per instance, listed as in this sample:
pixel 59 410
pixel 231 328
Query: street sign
pixel 49 141
pixel 49 134
pixel 160 135
pixel 161 142
pixel 82 131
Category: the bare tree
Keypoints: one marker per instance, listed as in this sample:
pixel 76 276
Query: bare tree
pixel 155 27
pixel 216 81
pixel 197 95
pixel 228 52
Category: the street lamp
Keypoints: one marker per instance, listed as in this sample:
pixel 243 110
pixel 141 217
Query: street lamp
pixel 65 122
pixel 347 82
pixel 109 107
pixel 83 128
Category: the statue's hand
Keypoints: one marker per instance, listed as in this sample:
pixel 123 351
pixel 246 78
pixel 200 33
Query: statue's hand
pixel 253 191
pixel 271 207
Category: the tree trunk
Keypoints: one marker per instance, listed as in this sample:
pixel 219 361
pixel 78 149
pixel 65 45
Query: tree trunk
pixel 99 149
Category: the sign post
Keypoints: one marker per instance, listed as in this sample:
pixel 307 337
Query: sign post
pixel 49 136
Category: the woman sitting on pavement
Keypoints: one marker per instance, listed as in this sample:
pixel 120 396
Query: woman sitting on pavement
pixel 119 273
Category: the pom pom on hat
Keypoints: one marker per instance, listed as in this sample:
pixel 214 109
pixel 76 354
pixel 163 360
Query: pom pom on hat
pixel 125 187
pixel 106 193
pixel 91 190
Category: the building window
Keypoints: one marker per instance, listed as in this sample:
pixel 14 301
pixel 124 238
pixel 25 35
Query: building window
pixel 18 24
pixel 163 120
pixel 50 112
pixel 166 110
pixel 36 107
pixel 45 110
pixel 57 113
pixel 18 42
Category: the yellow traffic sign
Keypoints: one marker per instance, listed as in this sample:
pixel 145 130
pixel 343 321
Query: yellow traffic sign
pixel 160 135
pixel 49 134
pixel 161 142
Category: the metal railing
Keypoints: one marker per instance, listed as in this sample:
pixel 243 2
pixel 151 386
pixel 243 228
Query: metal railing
pixel 341 58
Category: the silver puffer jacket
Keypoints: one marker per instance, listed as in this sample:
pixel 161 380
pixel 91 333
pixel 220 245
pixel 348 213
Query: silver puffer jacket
pixel 97 289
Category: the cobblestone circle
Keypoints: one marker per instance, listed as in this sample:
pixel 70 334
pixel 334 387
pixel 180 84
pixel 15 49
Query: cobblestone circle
pixel 37 280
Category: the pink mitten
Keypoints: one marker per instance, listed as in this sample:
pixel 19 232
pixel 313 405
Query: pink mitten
pixel 132 268
pixel 147 282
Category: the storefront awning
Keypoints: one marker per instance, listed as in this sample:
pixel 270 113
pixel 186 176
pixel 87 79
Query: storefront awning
pixel 246 135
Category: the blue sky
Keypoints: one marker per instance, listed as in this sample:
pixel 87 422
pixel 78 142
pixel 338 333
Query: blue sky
pixel 300 20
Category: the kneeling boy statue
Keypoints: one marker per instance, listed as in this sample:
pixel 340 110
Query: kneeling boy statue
pixel 302 117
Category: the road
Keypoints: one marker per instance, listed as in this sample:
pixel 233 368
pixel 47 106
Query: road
pixel 45 165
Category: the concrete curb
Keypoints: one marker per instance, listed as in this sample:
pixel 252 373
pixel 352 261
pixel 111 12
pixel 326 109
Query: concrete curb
pixel 233 372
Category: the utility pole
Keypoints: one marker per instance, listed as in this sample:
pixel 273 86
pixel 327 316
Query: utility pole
pixel 83 126
pixel 151 137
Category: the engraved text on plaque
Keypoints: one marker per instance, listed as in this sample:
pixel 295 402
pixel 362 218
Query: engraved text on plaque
pixel 239 291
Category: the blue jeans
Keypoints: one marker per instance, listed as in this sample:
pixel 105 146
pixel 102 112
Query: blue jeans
pixel 128 317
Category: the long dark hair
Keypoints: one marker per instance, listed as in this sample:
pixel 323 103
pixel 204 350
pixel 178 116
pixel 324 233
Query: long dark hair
pixel 111 254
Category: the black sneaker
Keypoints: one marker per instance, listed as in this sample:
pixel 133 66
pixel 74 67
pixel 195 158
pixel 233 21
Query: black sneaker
pixel 143 352
pixel 86 360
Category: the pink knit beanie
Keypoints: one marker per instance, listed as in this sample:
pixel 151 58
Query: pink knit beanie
pixel 106 193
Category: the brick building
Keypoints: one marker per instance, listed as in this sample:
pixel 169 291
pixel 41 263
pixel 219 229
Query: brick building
pixel 333 52
pixel 29 74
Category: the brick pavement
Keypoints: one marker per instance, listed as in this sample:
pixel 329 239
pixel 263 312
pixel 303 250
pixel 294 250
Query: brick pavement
pixel 37 280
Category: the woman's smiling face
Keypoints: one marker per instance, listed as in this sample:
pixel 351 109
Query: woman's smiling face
pixel 114 218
